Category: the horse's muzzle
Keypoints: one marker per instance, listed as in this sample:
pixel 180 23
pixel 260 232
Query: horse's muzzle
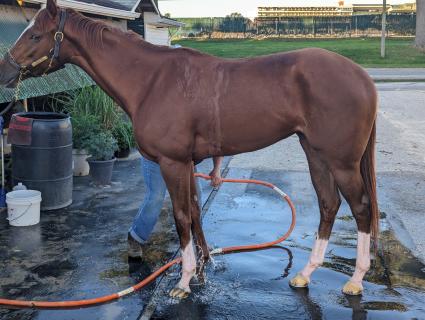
pixel 9 74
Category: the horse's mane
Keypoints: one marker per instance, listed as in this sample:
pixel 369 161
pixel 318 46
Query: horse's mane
pixel 92 31
pixel 89 30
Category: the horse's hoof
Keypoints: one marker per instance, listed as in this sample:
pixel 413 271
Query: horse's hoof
pixel 352 289
pixel 299 281
pixel 178 293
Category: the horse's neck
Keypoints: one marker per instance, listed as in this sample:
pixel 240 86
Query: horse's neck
pixel 122 67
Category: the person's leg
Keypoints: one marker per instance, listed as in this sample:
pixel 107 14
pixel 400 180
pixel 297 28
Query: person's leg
pixel 199 189
pixel 152 204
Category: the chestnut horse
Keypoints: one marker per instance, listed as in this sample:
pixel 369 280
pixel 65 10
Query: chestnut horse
pixel 187 106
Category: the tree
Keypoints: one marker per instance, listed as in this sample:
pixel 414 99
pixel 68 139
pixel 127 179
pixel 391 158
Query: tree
pixel 420 24
pixel 234 22
pixel 236 15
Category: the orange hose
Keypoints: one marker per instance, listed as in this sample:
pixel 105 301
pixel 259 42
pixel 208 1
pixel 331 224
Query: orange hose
pixel 266 244
pixel 157 273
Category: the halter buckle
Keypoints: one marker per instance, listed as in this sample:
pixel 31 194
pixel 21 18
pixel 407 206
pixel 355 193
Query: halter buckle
pixel 59 36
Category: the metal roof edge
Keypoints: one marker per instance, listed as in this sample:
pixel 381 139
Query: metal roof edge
pixel 94 9
pixel 165 20
pixel 172 22
pixel 136 5
pixel 156 8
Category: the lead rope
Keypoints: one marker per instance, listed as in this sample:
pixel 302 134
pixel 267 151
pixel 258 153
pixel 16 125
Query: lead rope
pixel 15 96
pixel 18 87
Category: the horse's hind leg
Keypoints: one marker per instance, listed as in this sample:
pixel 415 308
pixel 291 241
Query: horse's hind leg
pixel 177 176
pixel 350 182
pixel 329 202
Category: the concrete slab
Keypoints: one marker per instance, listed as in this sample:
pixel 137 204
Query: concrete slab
pixel 397 74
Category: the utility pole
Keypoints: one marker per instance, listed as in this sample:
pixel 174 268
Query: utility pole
pixel 384 24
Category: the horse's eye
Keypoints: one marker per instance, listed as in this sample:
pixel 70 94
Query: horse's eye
pixel 35 37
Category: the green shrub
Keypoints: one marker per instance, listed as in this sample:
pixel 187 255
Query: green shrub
pixel 93 111
pixel 90 101
pixel 123 133
pixel 83 128
pixel 101 146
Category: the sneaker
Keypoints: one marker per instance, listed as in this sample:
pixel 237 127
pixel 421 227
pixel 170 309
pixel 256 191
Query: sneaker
pixel 135 249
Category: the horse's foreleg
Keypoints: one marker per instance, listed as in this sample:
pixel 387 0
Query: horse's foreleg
pixel 201 243
pixel 177 176
pixel 350 182
pixel 329 202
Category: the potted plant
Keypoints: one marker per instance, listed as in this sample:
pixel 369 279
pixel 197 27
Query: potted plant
pixel 101 147
pixel 123 133
pixel 83 128
pixel 92 111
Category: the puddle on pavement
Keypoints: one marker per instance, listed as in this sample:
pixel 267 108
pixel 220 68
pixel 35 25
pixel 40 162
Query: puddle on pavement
pixel 254 285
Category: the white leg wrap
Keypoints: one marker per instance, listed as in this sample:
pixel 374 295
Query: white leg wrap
pixel 188 265
pixel 363 257
pixel 316 257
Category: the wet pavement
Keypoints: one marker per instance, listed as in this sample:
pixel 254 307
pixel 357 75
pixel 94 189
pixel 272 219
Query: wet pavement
pixel 81 252
pixel 254 285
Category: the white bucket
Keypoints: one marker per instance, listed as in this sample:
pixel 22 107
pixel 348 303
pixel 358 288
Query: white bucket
pixel 80 165
pixel 23 207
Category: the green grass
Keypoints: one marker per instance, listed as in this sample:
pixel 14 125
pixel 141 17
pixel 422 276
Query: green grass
pixel 400 52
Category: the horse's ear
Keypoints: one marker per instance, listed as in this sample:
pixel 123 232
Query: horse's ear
pixel 51 7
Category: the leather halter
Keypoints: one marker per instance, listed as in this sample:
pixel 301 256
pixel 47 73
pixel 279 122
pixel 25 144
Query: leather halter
pixel 53 53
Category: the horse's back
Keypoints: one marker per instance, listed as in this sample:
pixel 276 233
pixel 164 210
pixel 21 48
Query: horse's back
pixel 241 105
pixel 310 91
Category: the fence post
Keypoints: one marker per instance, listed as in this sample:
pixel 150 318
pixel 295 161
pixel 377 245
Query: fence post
pixel 355 23
pixel 384 16
pixel 244 29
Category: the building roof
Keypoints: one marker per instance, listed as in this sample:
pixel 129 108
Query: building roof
pixel 122 9
pixel 125 9
pixel 12 23
pixel 127 5
pixel 162 22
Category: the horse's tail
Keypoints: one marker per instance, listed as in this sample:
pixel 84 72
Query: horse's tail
pixel 367 168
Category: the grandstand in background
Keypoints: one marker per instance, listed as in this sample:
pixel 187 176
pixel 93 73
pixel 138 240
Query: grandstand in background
pixel 340 10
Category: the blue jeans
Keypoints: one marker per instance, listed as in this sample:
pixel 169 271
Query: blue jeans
pixel 150 209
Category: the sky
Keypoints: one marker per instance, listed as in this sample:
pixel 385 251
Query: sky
pixel 248 8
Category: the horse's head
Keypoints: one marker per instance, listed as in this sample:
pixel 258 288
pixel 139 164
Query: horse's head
pixel 36 52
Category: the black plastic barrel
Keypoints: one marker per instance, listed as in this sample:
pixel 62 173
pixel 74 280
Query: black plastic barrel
pixel 46 164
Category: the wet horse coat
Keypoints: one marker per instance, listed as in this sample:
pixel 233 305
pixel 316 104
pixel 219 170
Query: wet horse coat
pixel 186 106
